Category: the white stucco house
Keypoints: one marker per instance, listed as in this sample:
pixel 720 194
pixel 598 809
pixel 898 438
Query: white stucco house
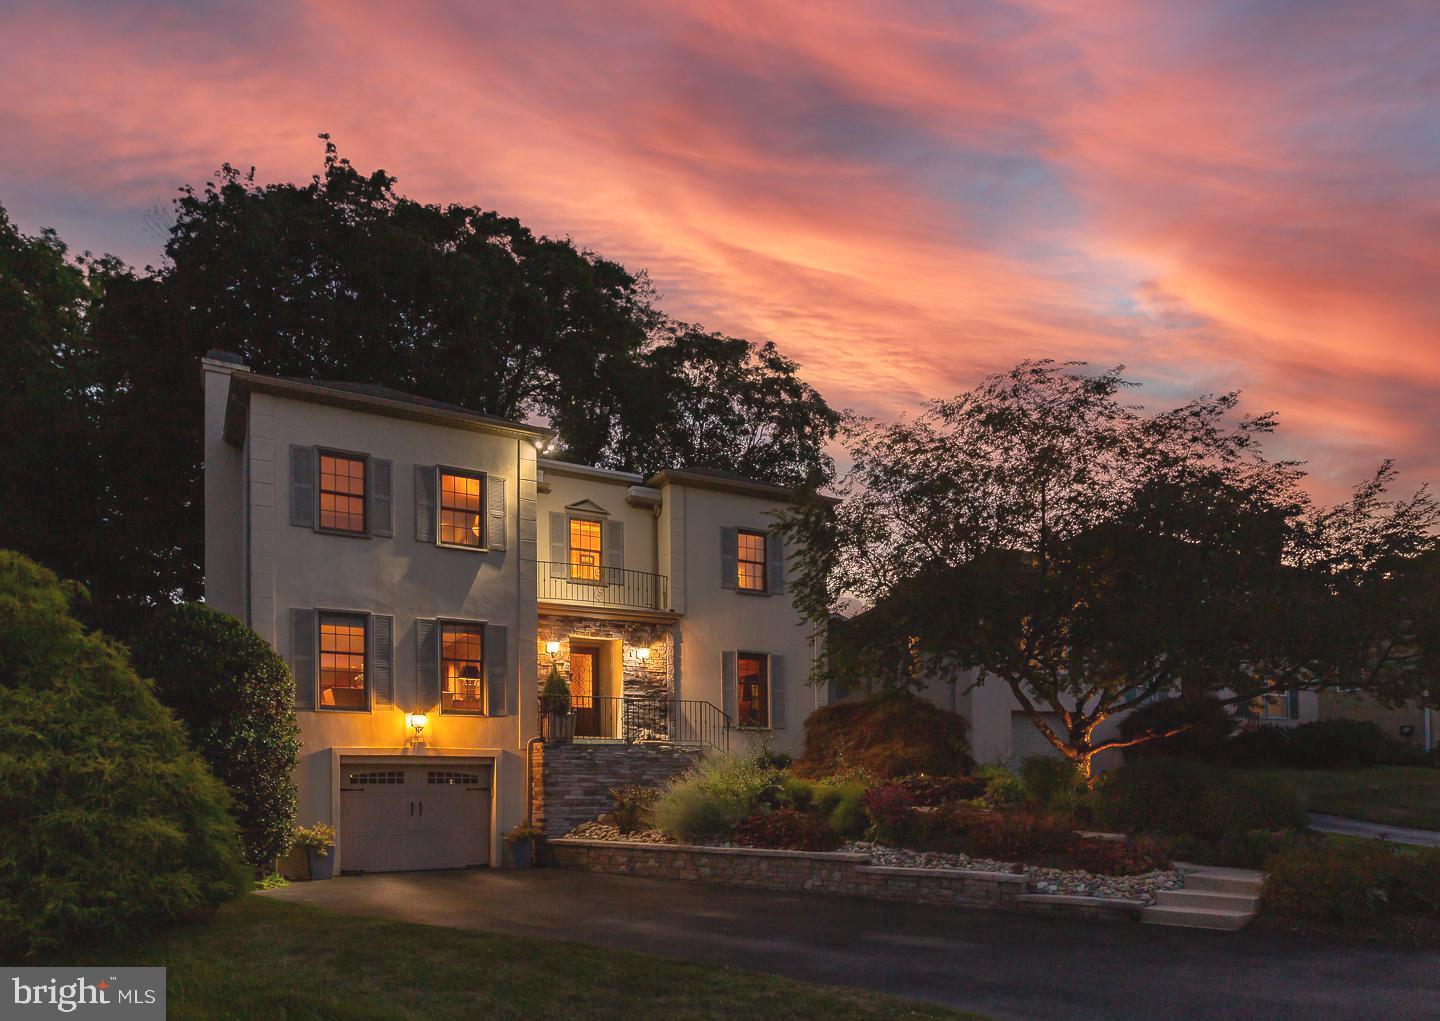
pixel 421 567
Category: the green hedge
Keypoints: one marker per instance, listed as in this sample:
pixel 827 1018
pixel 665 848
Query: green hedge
pixel 236 698
pixel 109 823
pixel 1351 882
pixel 1173 796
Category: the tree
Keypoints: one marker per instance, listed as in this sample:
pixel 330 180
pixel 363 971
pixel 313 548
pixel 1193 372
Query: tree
pixel 343 278
pixel 1045 534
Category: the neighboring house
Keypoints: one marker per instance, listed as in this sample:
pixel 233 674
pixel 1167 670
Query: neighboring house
pixel 421 567
pixel 1410 724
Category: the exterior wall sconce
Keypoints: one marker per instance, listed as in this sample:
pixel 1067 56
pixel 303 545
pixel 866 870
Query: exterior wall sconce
pixel 642 653
pixel 553 648
pixel 417 723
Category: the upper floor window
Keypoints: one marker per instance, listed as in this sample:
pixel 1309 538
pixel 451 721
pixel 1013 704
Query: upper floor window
pixel 751 560
pixel 462 668
pixel 752 690
pixel 1276 705
pixel 584 549
pixel 342 662
pixel 462 497
pixel 342 493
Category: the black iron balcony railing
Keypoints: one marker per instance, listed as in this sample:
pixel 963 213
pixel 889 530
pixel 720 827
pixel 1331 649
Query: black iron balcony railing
pixel 603 586
pixel 670 720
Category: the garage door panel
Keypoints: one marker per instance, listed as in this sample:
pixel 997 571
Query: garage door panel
pixel 1027 742
pixel 414 817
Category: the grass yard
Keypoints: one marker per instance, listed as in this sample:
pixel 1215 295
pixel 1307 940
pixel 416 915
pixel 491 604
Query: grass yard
pixel 258 958
pixel 1393 795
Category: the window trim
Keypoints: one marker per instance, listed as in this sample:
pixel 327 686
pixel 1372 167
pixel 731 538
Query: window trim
pixel 349 455
pixel 764 657
pixel 600 565
pixel 469 473
pixel 364 617
pixel 764 562
pixel 441 623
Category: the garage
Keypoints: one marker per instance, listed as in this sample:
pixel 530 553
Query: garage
pixel 404 817
pixel 1026 741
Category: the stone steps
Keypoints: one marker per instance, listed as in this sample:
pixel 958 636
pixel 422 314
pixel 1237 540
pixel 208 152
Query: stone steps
pixel 1197 918
pixel 1212 898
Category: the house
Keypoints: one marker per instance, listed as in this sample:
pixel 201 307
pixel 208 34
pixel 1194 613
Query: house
pixel 1413 725
pixel 421 567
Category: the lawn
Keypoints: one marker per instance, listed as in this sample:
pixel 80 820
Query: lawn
pixel 1394 795
pixel 258 958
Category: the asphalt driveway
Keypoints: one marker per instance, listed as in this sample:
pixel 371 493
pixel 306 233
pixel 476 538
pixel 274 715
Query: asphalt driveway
pixel 1004 966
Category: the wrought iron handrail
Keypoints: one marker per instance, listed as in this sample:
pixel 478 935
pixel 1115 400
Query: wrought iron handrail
pixel 603 586
pixel 684 721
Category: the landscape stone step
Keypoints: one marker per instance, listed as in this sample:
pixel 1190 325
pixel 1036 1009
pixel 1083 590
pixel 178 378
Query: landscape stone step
pixel 1211 883
pixel 1197 918
pixel 1191 898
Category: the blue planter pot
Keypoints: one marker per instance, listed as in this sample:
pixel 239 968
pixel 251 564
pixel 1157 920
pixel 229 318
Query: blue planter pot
pixel 322 866
pixel 522 854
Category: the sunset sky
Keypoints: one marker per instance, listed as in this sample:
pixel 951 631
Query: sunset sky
pixel 903 196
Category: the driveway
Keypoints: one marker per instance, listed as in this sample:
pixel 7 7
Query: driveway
pixel 1373 830
pixel 1004 966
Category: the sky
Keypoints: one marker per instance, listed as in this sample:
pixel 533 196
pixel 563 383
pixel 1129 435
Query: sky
pixel 903 196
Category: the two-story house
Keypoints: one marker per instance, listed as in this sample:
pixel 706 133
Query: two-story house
pixel 421 567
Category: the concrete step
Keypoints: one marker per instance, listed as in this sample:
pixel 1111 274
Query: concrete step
pixel 1197 918
pixel 1190 898
pixel 1210 882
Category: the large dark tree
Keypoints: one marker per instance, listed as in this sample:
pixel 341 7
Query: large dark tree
pixel 1042 533
pixel 343 278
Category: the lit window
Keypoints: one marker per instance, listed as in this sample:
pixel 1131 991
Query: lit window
pixel 462 668
pixel 752 690
pixel 1276 705
pixel 461 497
pixel 342 662
pixel 342 493
pixel 584 549
pixel 752 561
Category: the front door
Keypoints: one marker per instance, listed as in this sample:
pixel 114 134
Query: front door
pixel 584 664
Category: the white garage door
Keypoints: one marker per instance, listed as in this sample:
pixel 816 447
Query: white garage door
pixel 1026 741
pixel 414 817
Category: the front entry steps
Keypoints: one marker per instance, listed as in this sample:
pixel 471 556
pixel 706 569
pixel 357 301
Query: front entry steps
pixel 1213 898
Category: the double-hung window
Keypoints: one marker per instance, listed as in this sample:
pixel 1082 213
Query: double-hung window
pixel 750 560
pixel 1276 705
pixel 342 493
pixel 585 549
pixel 343 675
pixel 752 690
pixel 462 503
pixel 462 668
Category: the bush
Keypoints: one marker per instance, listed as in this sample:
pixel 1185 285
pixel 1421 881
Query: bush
pixel 1258 746
pixel 1052 782
pixel 1133 857
pixel 841 805
pixel 1251 849
pixel 1340 744
pixel 787 829
pixel 236 698
pixel 109 823
pixel 706 803
pixel 892 815
pixel 1002 786
pixel 1015 836
pixel 1173 796
pixel 885 736
pixel 933 791
pixel 1211 725
pixel 633 806
pixel 1353 882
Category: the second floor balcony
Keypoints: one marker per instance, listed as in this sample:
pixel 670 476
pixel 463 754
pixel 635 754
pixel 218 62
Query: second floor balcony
pixel 596 585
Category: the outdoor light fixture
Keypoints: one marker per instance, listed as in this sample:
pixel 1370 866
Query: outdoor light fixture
pixel 553 648
pixel 416 722
pixel 642 653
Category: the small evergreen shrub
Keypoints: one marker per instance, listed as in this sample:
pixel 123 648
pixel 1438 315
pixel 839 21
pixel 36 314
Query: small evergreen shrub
pixel 236 699
pixel 885 736
pixel 634 804
pixel 1210 726
pixel 1052 782
pixel 787 829
pixel 109 823
pixel 1173 796
pixel 1002 786
pixel 706 803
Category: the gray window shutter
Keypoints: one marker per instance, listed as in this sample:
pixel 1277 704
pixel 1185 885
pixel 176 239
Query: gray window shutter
pixel 302 656
pixel 494 512
pixel 774 563
pixel 302 486
pixel 497 668
pixel 729 558
pixel 425 503
pixel 1293 704
pixel 777 692
pixel 727 686
pixel 427 665
pixel 379 504
pixel 382 659
pixel 559 544
pixel 614 555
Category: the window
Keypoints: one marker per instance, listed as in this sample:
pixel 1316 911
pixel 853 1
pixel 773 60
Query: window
pixel 584 549
pixel 752 690
pixel 342 493
pixel 462 668
pixel 451 778
pixel 461 498
pixel 751 557
pixel 1276 705
pixel 342 662
pixel 376 778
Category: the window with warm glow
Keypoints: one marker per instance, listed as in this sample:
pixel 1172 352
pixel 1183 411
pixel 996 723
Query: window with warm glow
pixel 461 500
pixel 752 690
pixel 751 559
pixel 1275 705
pixel 342 493
pixel 462 668
pixel 584 549
pixel 342 662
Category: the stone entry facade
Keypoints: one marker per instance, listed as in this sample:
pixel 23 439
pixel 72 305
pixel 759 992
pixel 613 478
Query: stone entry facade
pixel 653 677
pixel 571 782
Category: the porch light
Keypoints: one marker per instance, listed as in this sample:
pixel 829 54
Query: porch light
pixel 642 653
pixel 416 722
pixel 553 648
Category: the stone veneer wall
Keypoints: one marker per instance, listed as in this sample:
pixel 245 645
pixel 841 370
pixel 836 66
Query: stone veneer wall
pixel 833 872
pixel 654 677
pixel 571 782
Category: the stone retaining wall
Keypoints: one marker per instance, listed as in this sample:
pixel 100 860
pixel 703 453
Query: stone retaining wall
pixel 825 872
pixel 571 782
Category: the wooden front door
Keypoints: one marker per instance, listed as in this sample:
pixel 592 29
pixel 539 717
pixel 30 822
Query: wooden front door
pixel 584 661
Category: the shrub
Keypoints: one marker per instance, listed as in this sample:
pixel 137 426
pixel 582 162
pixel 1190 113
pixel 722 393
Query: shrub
pixel 1002 786
pixel 1132 857
pixel 1051 781
pixel 1353 881
pixel 706 803
pixel 1211 725
pixel 841 805
pixel 892 815
pixel 1015 836
pixel 633 806
pixel 885 736
pixel 787 829
pixel 932 791
pixel 318 838
pixel 1339 744
pixel 797 792
pixel 236 698
pixel 555 693
pixel 1251 849
pixel 109 822
pixel 1173 796
pixel 1259 745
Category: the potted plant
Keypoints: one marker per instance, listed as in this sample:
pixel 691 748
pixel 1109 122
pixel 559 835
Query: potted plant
pixel 557 721
pixel 521 841
pixel 317 841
